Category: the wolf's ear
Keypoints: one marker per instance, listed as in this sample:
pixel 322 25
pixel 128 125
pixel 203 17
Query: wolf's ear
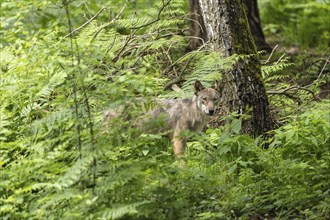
pixel 198 86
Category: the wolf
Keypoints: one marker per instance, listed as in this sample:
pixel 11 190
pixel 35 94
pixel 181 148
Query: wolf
pixel 175 116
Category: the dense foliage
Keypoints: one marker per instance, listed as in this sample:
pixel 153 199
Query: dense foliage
pixel 60 161
pixel 303 23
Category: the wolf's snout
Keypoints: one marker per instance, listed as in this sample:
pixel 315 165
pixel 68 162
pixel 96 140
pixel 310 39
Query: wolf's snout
pixel 211 112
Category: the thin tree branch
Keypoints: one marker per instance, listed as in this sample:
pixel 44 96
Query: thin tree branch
pixel 128 39
pixel 284 91
pixel 86 23
pixel 74 83
pixel 278 61
pixel 320 74
pixel 158 17
pixel 86 100
pixel 271 54
pixel 110 22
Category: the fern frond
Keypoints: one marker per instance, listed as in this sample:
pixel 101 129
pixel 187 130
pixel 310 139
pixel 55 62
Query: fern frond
pixel 56 80
pixel 36 187
pixel 75 172
pixel 166 23
pixel 121 210
pixel 210 68
pixel 268 70
pixel 132 23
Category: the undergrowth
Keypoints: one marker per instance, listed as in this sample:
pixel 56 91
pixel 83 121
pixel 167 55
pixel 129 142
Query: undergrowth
pixel 59 160
pixel 302 23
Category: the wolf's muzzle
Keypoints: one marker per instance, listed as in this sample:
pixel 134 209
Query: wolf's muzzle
pixel 211 112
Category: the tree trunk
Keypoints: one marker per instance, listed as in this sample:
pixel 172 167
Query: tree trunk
pixel 242 88
pixel 252 13
pixel 197 26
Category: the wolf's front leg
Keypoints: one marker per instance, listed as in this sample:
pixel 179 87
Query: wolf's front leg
pixel 178 147
pixel 179 144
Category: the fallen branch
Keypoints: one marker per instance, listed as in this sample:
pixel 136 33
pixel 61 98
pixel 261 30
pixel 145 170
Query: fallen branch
pixel 271 54
pixel 174 82
pixel 285 91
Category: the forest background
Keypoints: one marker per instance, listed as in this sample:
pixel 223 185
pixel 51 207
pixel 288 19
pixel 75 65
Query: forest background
pixel 64 62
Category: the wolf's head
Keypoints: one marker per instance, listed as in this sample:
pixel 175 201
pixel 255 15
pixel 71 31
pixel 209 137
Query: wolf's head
pixel 207 99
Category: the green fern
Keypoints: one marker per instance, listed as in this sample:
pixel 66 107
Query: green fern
pixel 268 71
pixel 122 210
pixel 59 161
pixel 74 173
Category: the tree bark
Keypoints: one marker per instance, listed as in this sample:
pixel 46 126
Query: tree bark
pixel 197 26
pixel 252 13
pixel 242 87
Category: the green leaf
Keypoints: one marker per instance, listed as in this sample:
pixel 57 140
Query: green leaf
pixel 236 126
pixel 232 169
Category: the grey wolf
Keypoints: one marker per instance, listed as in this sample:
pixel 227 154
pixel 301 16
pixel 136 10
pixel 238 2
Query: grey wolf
pixel 175 116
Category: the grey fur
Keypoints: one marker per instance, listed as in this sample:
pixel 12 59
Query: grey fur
pixel 178 115
pixel 174 116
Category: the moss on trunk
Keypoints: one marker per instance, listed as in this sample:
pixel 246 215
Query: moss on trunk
pixel 244 92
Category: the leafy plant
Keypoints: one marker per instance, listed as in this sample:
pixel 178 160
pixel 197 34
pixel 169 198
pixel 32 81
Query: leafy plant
pixel 60 160
pixel 303 23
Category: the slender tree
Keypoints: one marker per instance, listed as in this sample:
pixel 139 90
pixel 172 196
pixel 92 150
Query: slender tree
pixel 228 32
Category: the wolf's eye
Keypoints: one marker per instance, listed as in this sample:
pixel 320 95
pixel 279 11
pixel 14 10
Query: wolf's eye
pixel 204 99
